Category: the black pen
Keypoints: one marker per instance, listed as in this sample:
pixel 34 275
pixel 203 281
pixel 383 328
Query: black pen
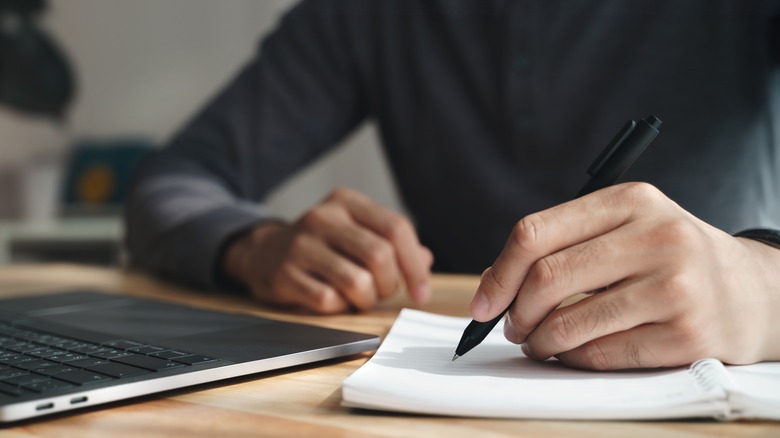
pixel 610 165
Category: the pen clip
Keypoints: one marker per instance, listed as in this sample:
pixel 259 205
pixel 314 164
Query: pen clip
pixel 621 136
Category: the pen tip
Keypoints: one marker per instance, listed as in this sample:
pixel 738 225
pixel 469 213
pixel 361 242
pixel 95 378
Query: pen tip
pixel 455 357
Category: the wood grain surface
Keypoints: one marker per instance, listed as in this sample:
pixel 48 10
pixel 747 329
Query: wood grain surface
pixel 301 401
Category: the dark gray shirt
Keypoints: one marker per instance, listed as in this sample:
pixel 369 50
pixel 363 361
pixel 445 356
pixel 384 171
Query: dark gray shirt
pixel 488 110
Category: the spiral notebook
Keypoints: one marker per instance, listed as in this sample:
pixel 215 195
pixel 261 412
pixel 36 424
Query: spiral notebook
pixel 412 372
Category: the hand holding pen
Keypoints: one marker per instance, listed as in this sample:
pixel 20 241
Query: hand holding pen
pixel 673 289
pixel 609 166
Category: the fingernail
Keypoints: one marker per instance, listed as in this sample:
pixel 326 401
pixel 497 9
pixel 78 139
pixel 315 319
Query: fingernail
pixel 480 306
pixel 423 292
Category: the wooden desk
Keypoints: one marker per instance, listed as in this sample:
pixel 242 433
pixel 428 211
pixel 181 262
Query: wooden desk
pixel 301 401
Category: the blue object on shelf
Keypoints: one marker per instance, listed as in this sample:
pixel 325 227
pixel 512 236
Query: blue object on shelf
pixel 98 174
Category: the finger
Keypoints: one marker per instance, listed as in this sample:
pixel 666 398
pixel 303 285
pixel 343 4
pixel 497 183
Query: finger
pixel 354 283
pixel 370 251
pixel 294 286
pixel 620 308
pixel 549 231
pixel 646 346
pixel 427 257
pixel 587 266
pixel 401 234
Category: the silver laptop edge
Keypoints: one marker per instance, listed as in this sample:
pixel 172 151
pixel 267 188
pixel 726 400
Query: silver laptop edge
pixel 78 400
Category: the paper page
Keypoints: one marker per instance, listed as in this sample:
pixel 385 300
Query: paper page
pixel 757 393
pixel 413 372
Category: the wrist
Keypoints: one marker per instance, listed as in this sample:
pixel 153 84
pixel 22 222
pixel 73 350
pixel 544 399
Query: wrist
pixel 765 283
pixel 237 262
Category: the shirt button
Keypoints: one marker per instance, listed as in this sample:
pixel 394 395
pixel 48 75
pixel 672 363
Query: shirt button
pixel 521 64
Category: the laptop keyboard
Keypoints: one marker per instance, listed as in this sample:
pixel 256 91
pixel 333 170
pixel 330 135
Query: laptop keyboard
pixel 33 361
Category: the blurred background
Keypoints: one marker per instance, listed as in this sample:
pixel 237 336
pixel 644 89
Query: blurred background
pixel 87 87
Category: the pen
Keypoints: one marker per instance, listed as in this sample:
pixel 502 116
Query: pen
pixel 629 143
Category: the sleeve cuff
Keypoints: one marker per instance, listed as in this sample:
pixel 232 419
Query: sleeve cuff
pixel 767 236
pixel 203 240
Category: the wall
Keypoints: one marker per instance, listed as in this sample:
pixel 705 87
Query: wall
pixel 144 67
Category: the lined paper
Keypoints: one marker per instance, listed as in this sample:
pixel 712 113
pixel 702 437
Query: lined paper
pixel 413 371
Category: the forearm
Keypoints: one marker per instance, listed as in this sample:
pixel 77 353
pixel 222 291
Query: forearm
pixel 178 217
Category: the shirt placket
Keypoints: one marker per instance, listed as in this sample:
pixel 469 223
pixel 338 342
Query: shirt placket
pixel 520 72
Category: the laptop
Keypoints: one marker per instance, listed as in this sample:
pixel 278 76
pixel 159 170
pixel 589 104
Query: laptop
pixel 71 350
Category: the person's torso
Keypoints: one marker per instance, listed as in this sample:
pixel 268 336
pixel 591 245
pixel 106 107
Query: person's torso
pixel 492 110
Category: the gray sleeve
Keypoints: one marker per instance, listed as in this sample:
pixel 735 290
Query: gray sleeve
pixel 293 102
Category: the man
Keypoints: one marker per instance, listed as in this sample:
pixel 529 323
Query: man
pixel 489 113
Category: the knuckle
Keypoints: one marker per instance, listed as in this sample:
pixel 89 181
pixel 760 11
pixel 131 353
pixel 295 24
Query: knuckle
pixel 313 218
pixel 340 193
pixel 549 272
pixel 358 282
pixel 690 337
pixel 633 355
pixel 528 232
pixel 388 288
pixel 678 234
pixel 677 291
pixel 378 255
pixel 360 290
pixel 397 226
pixel 518 326
pixel 299 244
pixel 325 300
pixel 280 279
pixel 563 329
pixel 595 356
pixel 640 193
pixel 608 312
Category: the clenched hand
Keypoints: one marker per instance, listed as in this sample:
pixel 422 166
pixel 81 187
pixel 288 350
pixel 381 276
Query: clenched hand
pixel 347 252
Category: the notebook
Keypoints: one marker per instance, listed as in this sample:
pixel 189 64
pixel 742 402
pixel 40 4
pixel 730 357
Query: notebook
pixel 66 351
pixel 413 371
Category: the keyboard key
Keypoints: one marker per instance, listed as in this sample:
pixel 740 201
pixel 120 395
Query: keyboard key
pixel 88 362
pixel 24 347
pixel 7 342
pixel 170 354
pixel 12 372
pixel 55 340
pixel 35 365
pixel 36 337
pixel 118 370
pixel 46 386
pixel 82 377
pixel 14 391
pixel 16 360
pixel 67 357
pixel 148 362
pixel 146 350
pixel 89 348
pixel 194 359
pixel 110 354
pixel 67 344
pixel 26 379
pixel 46 352
pixel 75 345
pixel 56 369
pixel 122 344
